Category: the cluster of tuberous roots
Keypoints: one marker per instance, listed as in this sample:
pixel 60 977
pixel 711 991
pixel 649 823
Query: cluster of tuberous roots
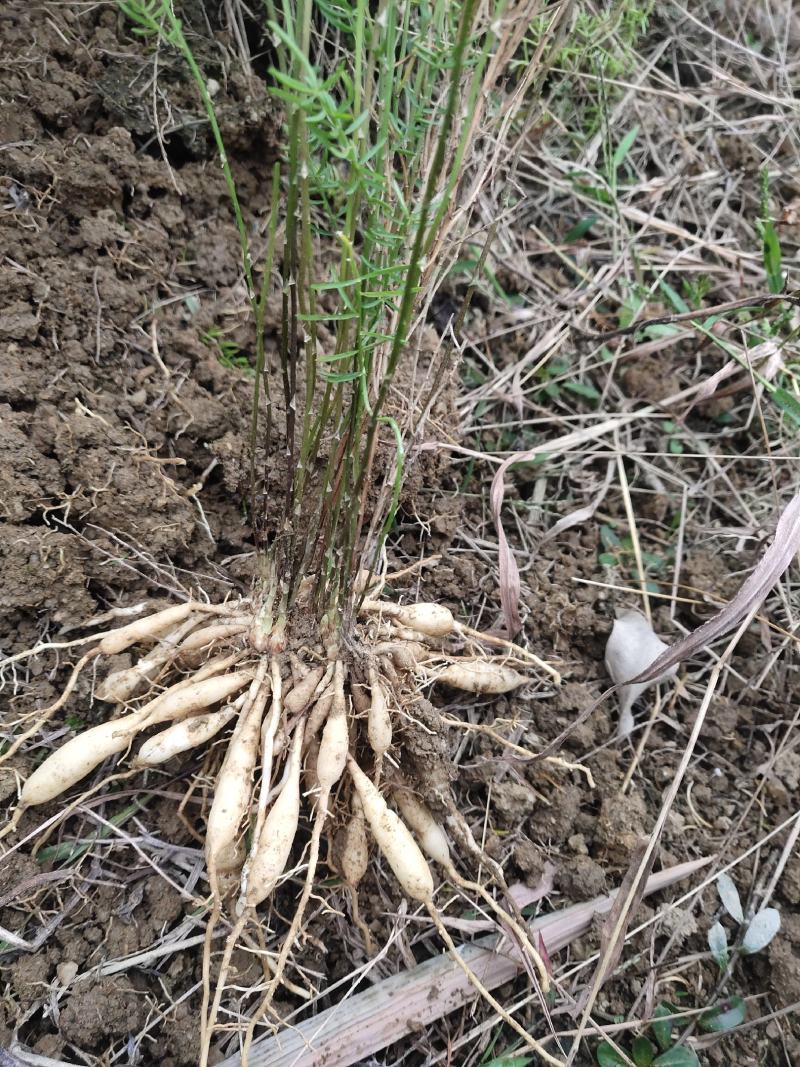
pixel 312 730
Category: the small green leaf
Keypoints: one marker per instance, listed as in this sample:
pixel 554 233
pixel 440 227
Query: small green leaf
pixel 607 559
pixel 788 403
pixel 624 147
pixel 660 329
pixel 680 1056
pixel 596 192
pixel 582 389
pixel 718 943
pixel 761 930
pixel 644 1051
pixel 675 447
pixel 509 1061
pixel 677 301
pixel 607 1056
pixel 580 229
pixel 662 1025
pixel 729 895
pixel 724 1016
pixel 608 537
pixel 771 252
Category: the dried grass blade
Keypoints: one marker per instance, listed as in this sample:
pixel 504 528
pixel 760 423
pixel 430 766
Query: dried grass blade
pixel 367 1022
pixel 509 571
pixel 752 592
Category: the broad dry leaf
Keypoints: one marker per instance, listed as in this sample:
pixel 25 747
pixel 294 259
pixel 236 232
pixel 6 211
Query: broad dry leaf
pixel 632 646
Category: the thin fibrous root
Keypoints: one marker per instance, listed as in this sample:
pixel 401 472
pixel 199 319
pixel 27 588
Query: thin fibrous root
pixel 231 800
pixel 47 713
pixel 434 841
pixel 482 991
pixel 331 758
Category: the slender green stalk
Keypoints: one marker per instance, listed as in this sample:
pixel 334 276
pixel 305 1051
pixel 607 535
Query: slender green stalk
pixel 379 104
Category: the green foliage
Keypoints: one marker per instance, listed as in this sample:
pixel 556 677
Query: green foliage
pixel 725 1016
pixel 645 1053
pixel 378 102
pixel 598 49
pixel 619 552
pixel 771 245
pixel 228 352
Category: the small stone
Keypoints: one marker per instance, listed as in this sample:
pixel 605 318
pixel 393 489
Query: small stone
pixel 66 972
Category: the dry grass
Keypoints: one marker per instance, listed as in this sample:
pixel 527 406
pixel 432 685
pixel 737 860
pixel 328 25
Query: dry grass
pixel 712 96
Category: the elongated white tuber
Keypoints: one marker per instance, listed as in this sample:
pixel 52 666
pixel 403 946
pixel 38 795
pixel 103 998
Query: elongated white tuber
pixel 335 741
pixel 268 860
pixel 82 754
pixel 480 676
pixel 183 736
pixel 183 699
pixel 153 626
pixel 379 722
pixel 428 832
pixel 394 839
pixel 354 857
pixel 209 635
pixel 432 620
pixel 122 685
pixel 77 758
pixel 234 786
pixel 300 696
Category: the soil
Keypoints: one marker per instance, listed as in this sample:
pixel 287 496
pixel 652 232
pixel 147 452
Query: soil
pixel 123 438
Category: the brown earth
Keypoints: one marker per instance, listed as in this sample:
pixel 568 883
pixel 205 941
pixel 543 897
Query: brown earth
pixel 122 436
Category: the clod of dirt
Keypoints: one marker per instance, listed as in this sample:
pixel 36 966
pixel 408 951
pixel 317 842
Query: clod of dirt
pixel 649 380
pixel 30 977
pixel 99 1013
pixel 514 800
pixel 620 827
pixel 530 860
pixel 784 960
pixel 582 878
pixel 556 822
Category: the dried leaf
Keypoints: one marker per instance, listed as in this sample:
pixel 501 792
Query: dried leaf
pixel 507 564
pixel 575 518
pixel 631 648
pixel 752 592
pixel 369 1020
pixel 626 902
